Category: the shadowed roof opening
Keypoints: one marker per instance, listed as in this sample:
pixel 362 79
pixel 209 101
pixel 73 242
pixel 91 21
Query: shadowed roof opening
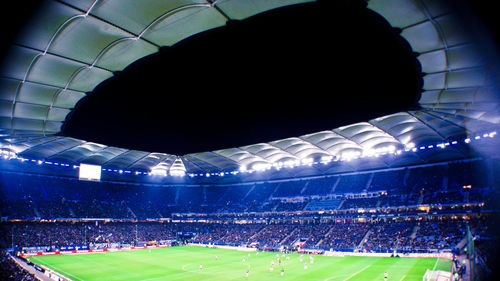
pixel 282 73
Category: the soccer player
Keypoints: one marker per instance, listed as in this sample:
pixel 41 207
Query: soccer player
pixel 282 271
pixel 271 269
pixel 385 276
pixel 301 257
pixel 201 267
pixel 216 258
pixel 305 265
pixel 246 273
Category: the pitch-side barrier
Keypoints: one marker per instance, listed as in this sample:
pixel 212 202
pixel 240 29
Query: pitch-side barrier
pixel 90 251
pixel 401 255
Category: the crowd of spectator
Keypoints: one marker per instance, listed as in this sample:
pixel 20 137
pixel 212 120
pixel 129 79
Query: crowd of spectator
pixel 345 236
pixel 272 234
pixel 10 270
pixel 437 235
pixel 374 235
pixel 37 196
pixel 385 236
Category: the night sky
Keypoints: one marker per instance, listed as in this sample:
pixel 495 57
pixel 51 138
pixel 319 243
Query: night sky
pixel 284 73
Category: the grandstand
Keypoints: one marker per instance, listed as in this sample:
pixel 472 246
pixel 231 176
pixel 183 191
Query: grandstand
pixel 418 183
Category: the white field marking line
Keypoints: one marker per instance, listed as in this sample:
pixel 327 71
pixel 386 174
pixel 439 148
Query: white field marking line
pixel 402 278
pixel 57 269
pixel 356 273
pixel 183 267
pixel 352 275
pixel 435 264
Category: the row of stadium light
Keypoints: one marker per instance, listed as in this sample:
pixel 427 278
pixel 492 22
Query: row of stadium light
pixel 7 154
pixel 349 156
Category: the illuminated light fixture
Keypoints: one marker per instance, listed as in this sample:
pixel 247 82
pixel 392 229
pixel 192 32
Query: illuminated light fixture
pixel 467 140
pixel 477 137
pixel 261 166
pixel 368 152
pixel 410 145
pixel 177 173
pixel 348 156
pixel 492 134
pixel 278 165
pixel 158 172
pixel 307 161
pixel 326 159
pixel 177 169
pixel 290 163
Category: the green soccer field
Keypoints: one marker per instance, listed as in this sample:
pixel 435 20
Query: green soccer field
pixel 183 263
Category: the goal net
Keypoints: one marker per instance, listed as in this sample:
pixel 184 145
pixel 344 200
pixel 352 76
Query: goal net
pixel 436 275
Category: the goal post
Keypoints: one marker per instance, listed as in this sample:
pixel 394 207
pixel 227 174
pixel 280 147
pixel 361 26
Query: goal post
pixel 436 275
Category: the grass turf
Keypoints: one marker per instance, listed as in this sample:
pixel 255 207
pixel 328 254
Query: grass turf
pixel 183 263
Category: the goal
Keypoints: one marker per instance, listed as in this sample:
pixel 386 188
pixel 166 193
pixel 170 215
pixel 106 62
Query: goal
pixel 436 275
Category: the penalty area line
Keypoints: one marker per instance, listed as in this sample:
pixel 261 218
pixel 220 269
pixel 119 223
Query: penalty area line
pixel 435 264
pixel 351 276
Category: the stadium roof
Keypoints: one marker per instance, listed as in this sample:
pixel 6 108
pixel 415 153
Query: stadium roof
pixel 71 46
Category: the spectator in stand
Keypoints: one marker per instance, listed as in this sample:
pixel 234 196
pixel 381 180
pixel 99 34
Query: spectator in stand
pixel 10 270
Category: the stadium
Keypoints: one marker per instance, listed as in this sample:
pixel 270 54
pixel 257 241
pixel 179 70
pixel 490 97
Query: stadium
pixel 249 140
